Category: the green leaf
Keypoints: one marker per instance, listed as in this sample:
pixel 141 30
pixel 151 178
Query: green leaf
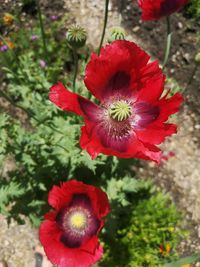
pixel 186 260
pixel 8 192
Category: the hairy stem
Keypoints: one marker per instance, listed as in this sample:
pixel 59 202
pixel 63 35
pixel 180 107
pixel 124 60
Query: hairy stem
pixel 104 26
pixel 168 44
pixel 42 30
pixel 191 77
pixel 75 68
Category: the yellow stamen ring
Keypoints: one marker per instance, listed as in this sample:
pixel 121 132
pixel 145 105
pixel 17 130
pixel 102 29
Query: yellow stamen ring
pixel 78 220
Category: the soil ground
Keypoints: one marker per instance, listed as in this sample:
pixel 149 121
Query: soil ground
pixel 180 175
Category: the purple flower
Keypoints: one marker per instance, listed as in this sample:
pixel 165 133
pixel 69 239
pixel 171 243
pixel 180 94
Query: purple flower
pixel 34 37
pixel 3 48
pixel 42 63
pixel 54 17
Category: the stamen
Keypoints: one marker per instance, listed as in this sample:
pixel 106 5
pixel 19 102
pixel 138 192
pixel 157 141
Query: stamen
pixel 120 110
pixel 78 220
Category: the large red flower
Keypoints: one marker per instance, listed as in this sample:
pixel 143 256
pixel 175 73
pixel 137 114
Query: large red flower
pixel 69 233
pixel 131 117
pixel 155 9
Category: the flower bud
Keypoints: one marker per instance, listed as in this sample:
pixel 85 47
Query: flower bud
pixel 197 58
pixel 116 33
pixel 76 36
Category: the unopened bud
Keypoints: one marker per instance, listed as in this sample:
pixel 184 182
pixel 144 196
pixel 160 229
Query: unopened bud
pixel 76 36
pixel 116 33
pixel 197 59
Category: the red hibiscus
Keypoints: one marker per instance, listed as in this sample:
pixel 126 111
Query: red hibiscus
pixel 69 233
pixel 131 117
pixel 155 9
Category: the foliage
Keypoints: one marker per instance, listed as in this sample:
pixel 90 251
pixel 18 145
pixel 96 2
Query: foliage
pixel 39 140
pixel 148 222
pixel 194 8
pixel 184 261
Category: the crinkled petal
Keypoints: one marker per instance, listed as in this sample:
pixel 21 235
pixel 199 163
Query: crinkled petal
pixel 69 101
pixel 99 201
pixel 62 256
pixel 156 9
pixel 72 102
pixel 64 99
pixel 152 90
pixel 59 197
pixel 90 110
pixel 111 70
pixel 169 106
pixel 155 134
pixel 91 142
pixel 158 129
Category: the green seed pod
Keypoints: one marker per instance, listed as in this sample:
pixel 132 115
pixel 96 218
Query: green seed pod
pixel 76 36
pixel 116 33
pixel 197 58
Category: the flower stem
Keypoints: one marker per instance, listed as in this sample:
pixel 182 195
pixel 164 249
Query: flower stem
pixel 42 30
pixel 104 26
pixel 168 45
pixel 75 67
pixel 191 78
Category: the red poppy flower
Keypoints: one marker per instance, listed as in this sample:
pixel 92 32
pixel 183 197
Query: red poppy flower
pixel 155 9
pixel 131 117
pixel 69 233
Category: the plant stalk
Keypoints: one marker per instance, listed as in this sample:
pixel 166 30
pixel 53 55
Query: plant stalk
pixel 75 67
pixel 191 78
pixel 42 30
pixel 168 44
pixel 104 26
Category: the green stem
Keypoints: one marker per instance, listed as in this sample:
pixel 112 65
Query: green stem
pixel 75 68
pixel 168 45
pixel 191 77
pixel 42 31
pixel 104 26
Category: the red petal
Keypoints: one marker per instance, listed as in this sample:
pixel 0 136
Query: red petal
pixel 154 10
pixel 169 106
pixel 156 135
pixel 61 255
pixel 49 235
pixel 136 149
pixel 99 201
pixel 90 110
pixel 64 99
pixel 60 196
pixel 158 130
pixel 51 215
pixel 152 90
pixel 118 57
pixel 69 101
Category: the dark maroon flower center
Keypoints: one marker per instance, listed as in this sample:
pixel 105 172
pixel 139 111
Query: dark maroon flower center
pixel 120 120
pixel 77 221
